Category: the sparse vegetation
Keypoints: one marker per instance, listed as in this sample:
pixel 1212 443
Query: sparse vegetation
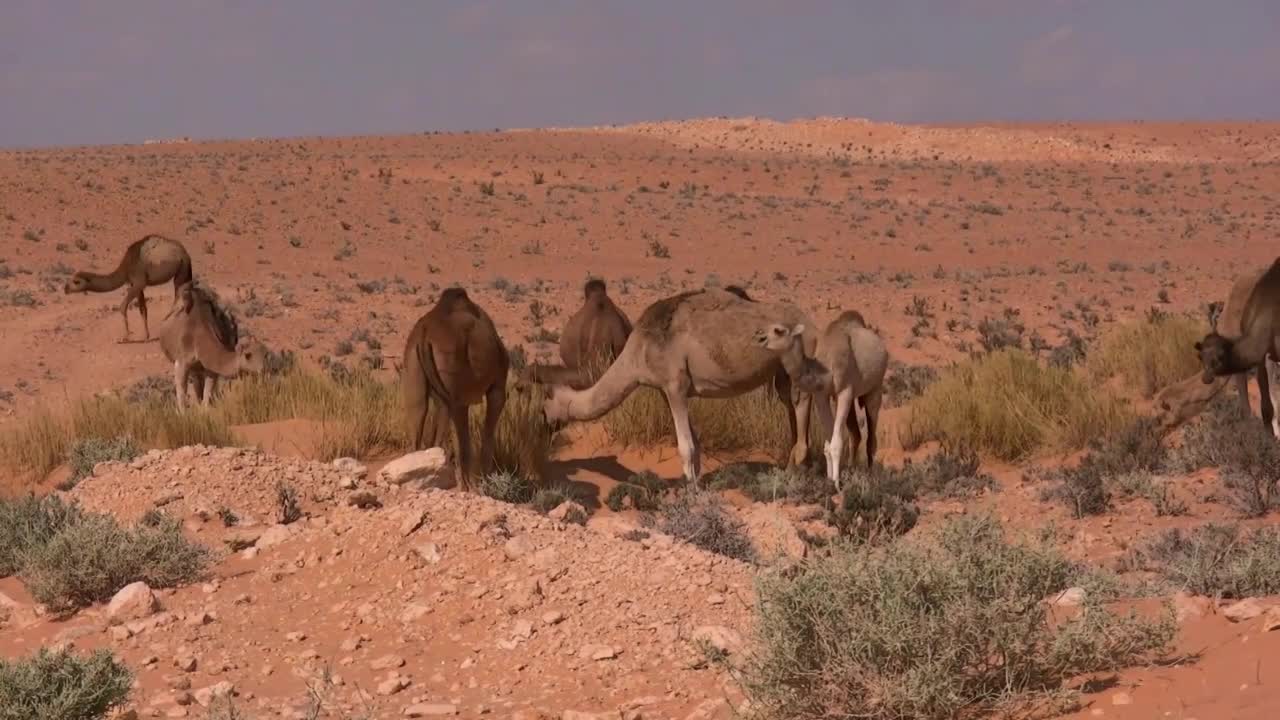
pixel 61 685
pixel 69 559
pixel 85 453
pixel 937 628
pixel 1009 405
pixel 506 486
pixel 1244 451
pixel 700 518
pixel 642 491
pixel 1149 354
pixel 1214 560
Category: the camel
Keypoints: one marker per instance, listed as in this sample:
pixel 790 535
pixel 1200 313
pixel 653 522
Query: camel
pixel 694 344
pixel 1188 397
pixel 203 342
pixel 153 260
pixel 454 355
pixel 850 362
pixel 591 339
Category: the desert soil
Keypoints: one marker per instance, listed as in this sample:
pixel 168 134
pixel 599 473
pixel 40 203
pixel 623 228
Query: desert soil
pixel 487 609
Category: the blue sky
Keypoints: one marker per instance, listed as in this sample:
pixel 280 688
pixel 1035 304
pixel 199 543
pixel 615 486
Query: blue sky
pixel 102 71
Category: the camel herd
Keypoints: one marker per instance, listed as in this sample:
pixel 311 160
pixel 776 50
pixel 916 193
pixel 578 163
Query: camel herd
pixel 711 343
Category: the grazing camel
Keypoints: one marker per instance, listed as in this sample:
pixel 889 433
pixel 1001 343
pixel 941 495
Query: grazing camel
pixel 1185 399
pixel 153 260
pixel 454 355
pixel 591 339
pixel 203 342
pixel 694 344
pixel 849 363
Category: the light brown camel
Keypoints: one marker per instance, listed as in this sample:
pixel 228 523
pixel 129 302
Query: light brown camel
pixel 591 339
pixel 203 342
pixel 454 355
pixel 1185 399
pixel 694 344
pixel 153 260
pixel 849 363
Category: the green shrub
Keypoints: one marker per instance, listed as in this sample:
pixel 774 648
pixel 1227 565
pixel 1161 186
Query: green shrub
pixel 875 506
pixel 507 487
pixel 1009 405
pixel 88 452
pixel 1245 451
pixel 944 627
pixel 700 518
pixel 1214 560
pixel 89 560
pixel 643 491
pixel 28 523
pixel 62 686
pixel 796 485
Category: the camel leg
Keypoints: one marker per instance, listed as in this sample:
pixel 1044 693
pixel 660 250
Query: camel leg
pixel 180 373
pixel 855 432
pixel 462 434
pixel 1242 389
pixel 685 443
pixel 129 296
pixel 417 400
pixel 835 446
pixel 1271 368
pixel 782 385
pixel 827 423
pixel 494 400
pixel 871 408
pixel 1268 410
pixel 210 387
pixel 142 310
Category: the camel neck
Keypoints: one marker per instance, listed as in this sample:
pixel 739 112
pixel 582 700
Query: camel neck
pixel 793 359
pixel 1248 350
pixel 96 282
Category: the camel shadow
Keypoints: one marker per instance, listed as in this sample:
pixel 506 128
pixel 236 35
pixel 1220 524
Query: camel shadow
pixel 560 472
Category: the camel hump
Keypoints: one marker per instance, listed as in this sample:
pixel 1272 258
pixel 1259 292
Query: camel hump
pixel 851 318
pixel 737 290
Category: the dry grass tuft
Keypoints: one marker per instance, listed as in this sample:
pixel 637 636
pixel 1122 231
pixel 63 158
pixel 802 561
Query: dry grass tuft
pixel 1149 354
pixel 1009 405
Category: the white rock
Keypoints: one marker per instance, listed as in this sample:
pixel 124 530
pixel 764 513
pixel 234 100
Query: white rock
pixel 422 465
pixel 1246 609
pixel 350 467
pixel 430 710
pixel 274 535
pixel 133 602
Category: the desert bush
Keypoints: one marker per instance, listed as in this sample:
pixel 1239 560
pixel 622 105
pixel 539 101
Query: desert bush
pixel 642 491
pixel 62 686
pixel 701 519
pixel 795 484
pixel 1086 489
pixel 1214 560
pixel 875 506
pixel 287 506
pixel 87 452
pixel 756 420
pixel 943 627
pixel 1009 405
pixel 905 383
pixel 506 486
pixel 1245 451
pixel 523 440
pixel 952 472
pixel 548 499
pixel 90 559
pixel 28 523
pixel 1148 354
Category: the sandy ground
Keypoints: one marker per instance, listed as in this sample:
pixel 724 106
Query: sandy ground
pixel 925 230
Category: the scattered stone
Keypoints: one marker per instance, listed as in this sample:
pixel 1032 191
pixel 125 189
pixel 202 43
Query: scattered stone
pixel 1246 609
pixel 1071 597
pixel 719 637
pixel 430 710
pixel 133 602
pixel 568 511
pixel 274 535
pixel 1189 607
pixel 1122 698
pixel 185 663
pixel 364 500
pixel 393 685
pixel 597 652
pixel 1271 619
pixel 167 497
pixel 517 547
pixel 553 617
pixel 351 468
pixel 206 696
pixel 387 662
pixel 413 519
pixel 422 465
pixel 523 629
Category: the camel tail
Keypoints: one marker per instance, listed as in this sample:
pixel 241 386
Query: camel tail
pixel 608 392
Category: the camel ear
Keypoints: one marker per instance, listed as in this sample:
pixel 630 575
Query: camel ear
pixel 798 329
pixel 1197 346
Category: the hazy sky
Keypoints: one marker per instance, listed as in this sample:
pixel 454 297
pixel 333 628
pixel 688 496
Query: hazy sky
pixel 102 71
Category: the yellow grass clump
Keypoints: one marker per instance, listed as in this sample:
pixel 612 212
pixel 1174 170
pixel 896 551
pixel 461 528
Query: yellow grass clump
pixel 359 416
pixel 1148 355
pixel 1009 405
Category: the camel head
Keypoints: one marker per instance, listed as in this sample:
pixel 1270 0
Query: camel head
pixel 555 409
pixel 594 286
pixel 1214 351
pixel 251 356
pixel 77 283
pixel 779 337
